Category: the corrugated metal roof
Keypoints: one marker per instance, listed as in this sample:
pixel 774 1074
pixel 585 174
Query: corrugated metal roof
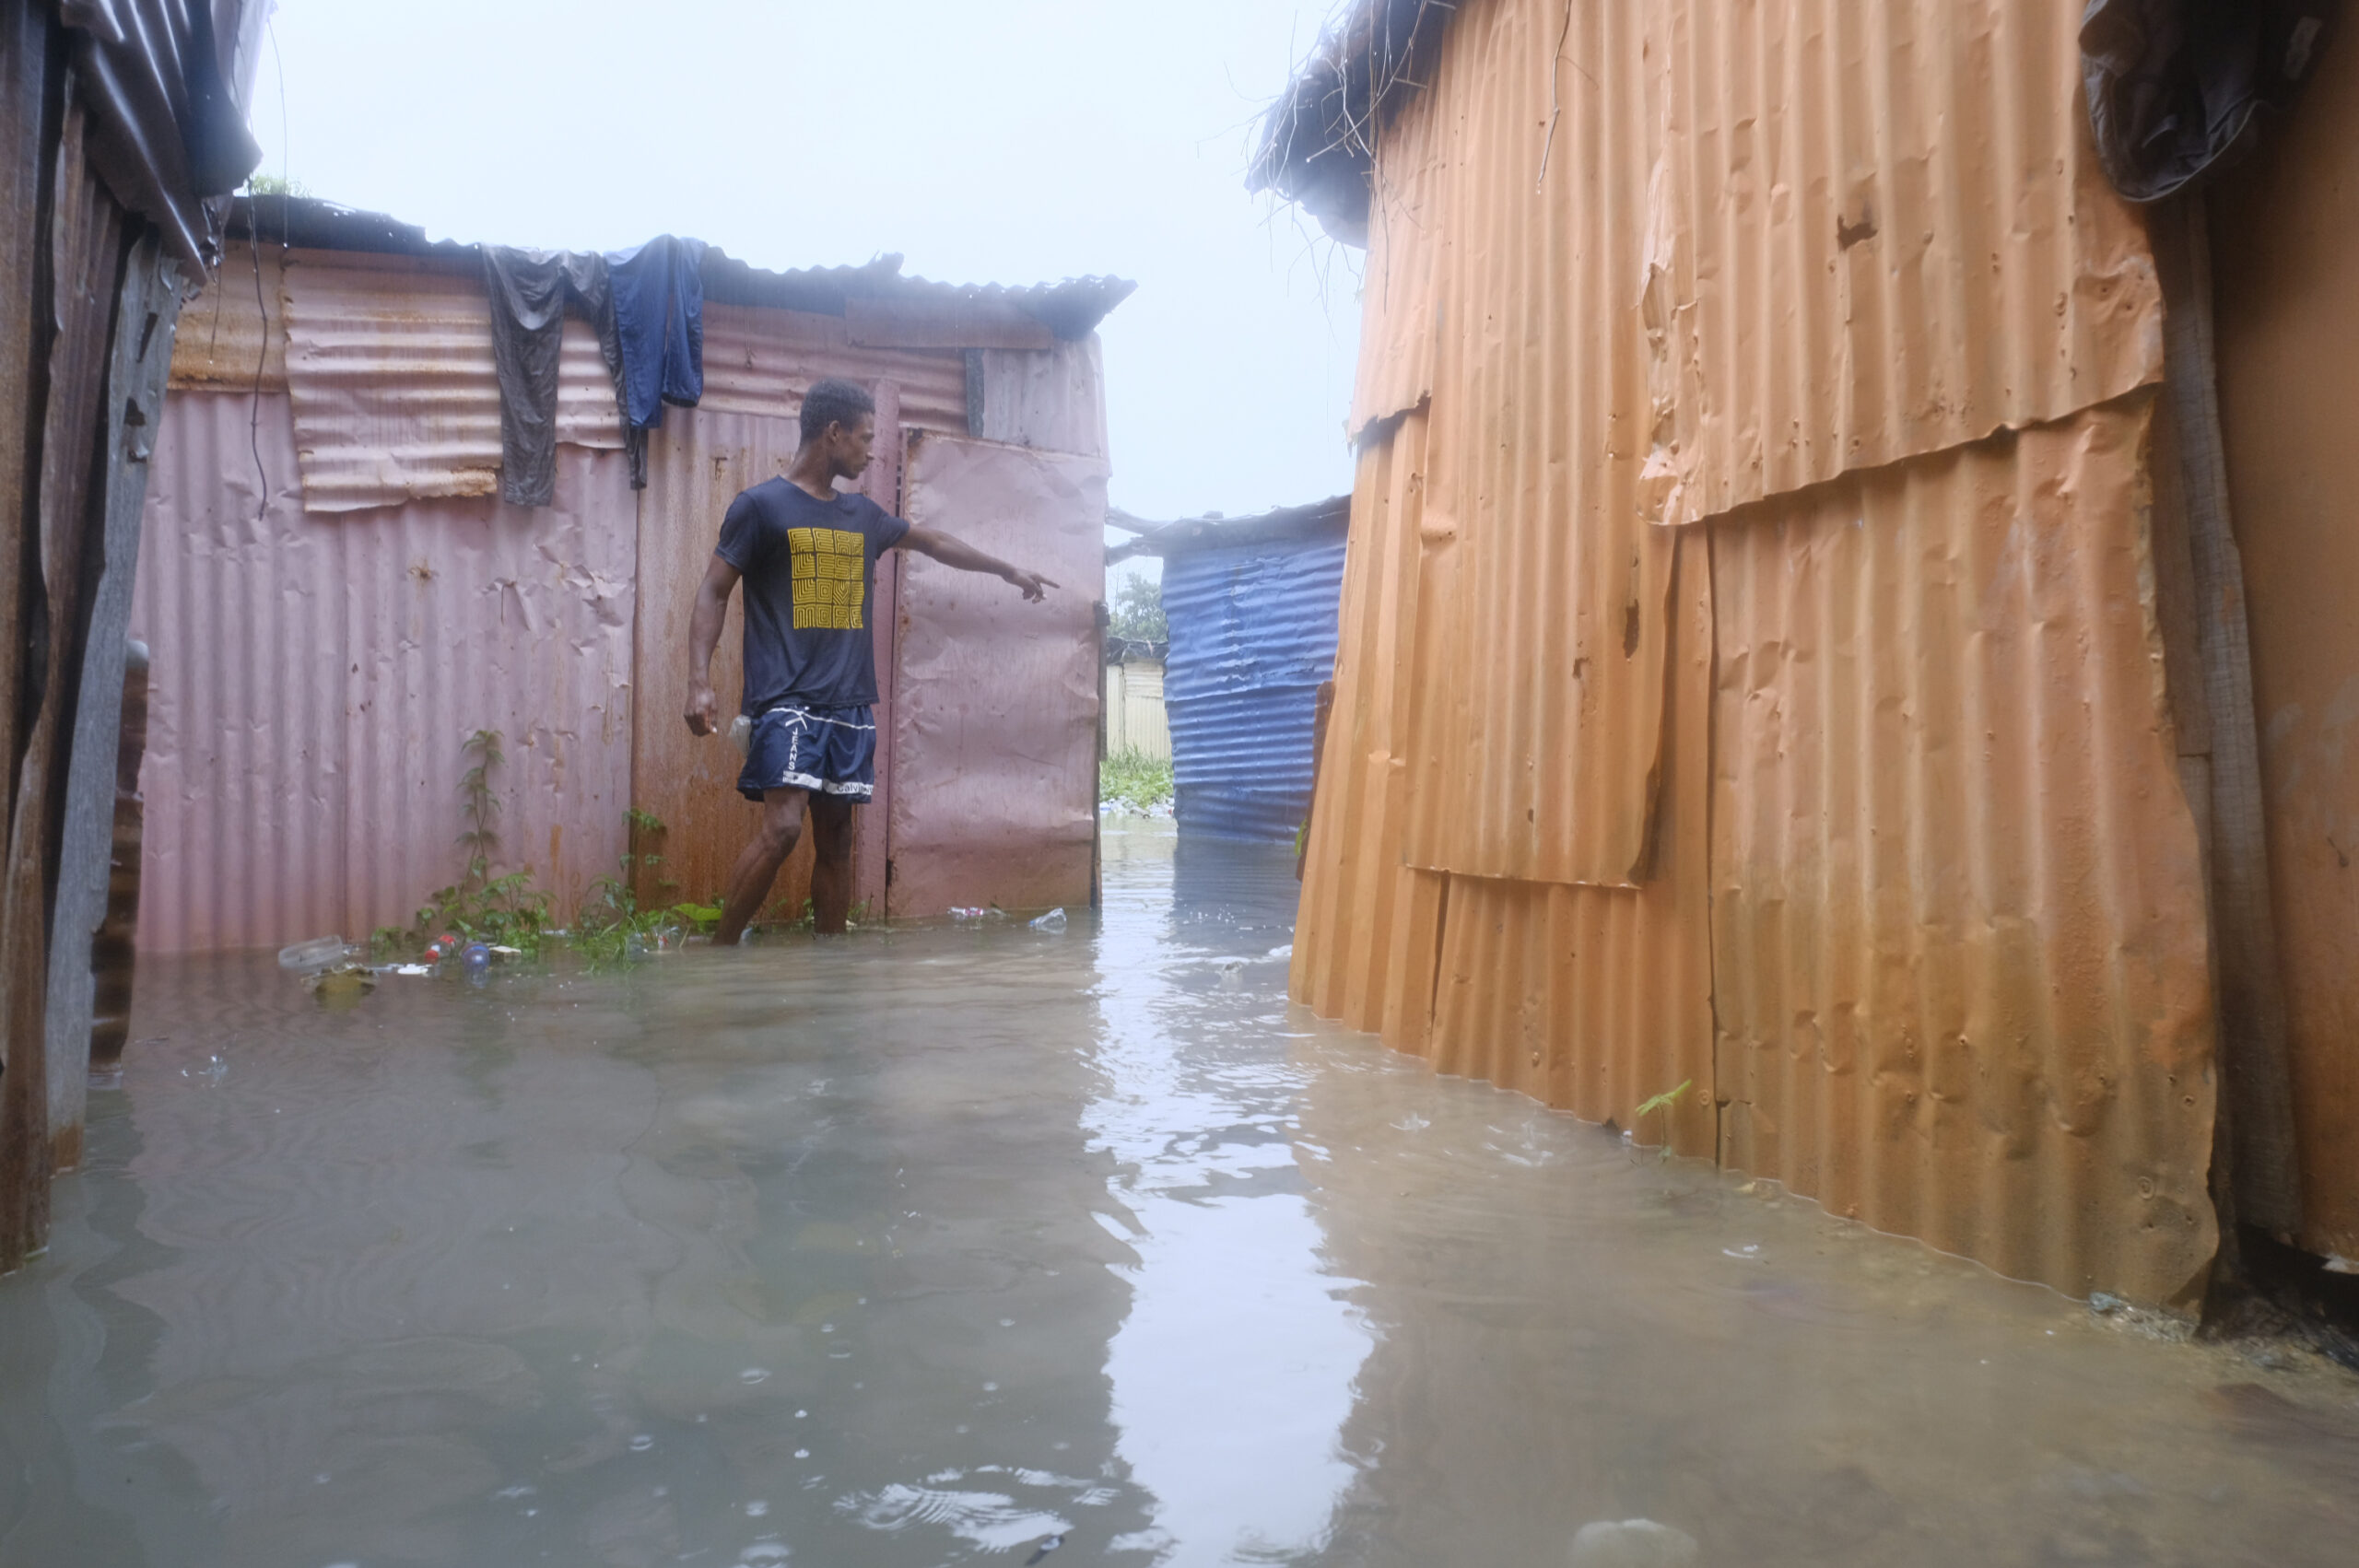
pixel 1070 308
pixel 313 678
pixel 1960 944
pixel 1877 231
pixel 1252 637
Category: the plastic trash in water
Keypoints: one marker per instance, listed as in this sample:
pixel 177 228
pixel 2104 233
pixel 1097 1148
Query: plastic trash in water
pixel 1054 920
pixel 476 961
pixel 1633 1543
pixel 1048 1544
pixel 972 915
pixel 309 957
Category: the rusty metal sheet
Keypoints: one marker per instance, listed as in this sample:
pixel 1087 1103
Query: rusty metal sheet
pixel 1595 999
pixel 759 360
pixel 1541 634
pixel 313 678
pixel 1366 934
pixel 694 469
pixel 1959 938
pixel 2283 236
pixel 389 368
pixel 996 733
pixel 233 334
pixel 1875 231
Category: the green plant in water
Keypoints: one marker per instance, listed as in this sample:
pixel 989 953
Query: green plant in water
pixel 1134 780
pixel 504 911
pixel 1662 1105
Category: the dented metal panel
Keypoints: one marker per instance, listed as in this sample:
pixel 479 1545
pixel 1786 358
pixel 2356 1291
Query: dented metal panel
pixel 1596 999
pixel 1960 949
pixel 1537 731
pixel 1876 232
pixel 313 678
pixel 995 734
pixel 2283 236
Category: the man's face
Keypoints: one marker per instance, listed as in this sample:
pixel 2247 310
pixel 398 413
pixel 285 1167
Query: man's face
pixel 848 446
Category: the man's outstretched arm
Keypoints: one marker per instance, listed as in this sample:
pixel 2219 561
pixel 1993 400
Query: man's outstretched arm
pixel 937 545
pixel 704 636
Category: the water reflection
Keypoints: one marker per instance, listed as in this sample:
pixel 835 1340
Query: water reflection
pixel 933 1245
pixel 1233 1373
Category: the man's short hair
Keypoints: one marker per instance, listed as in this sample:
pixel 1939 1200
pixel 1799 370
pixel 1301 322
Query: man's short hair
pixel 834 402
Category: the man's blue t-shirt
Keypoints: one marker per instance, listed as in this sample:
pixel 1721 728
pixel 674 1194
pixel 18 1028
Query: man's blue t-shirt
pixel 810 573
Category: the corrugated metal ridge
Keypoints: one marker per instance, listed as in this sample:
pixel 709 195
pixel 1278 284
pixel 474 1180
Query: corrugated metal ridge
pixel 1542 621
pixel 1070 308
pixel 1960 941
pixel 1875 233
pixel 1253 632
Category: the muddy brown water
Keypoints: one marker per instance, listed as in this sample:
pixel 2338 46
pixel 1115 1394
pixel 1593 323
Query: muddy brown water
pixel 927 1245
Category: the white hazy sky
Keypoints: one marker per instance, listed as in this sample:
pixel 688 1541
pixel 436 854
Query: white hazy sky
pixel 1020 142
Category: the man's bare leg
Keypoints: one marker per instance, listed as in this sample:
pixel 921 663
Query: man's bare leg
pixel 831 831
pixel 757 866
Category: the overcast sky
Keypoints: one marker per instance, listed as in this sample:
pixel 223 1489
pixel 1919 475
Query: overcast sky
pixel 1015 143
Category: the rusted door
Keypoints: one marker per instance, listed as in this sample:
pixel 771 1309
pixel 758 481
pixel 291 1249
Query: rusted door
pixel 995 729
pixel 697 465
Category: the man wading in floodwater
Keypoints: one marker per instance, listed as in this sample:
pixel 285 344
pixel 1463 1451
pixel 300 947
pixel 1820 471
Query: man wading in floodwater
pixel 808 555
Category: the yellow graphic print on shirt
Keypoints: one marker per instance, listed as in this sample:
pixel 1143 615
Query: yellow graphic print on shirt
pixel 828 578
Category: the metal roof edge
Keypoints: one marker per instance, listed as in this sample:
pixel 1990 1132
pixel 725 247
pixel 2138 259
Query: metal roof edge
pixel 1070 309
pixel 1332 515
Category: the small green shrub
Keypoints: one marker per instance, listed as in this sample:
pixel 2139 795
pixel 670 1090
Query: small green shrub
pixel 1133 780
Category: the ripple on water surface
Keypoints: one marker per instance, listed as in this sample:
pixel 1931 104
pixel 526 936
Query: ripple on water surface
pixel 957 1243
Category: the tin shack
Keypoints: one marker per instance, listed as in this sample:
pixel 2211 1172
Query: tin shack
pixel 1794 656
pixel 338 593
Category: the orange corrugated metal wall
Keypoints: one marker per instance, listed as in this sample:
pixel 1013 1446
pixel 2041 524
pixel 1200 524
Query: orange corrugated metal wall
pixel 1551 363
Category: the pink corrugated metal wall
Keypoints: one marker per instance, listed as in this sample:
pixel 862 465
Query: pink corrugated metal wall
pixel 996 737
pixel 315 676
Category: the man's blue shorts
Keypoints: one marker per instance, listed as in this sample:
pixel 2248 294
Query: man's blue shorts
pixel 829 749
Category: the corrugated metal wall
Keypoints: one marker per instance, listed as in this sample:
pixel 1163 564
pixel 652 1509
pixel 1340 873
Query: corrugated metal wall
pixel 1135 720
pixel 1894 780
pixel 1538 558
pixel 1877 231
pixel 1253 638
pixel 2284 237
pixel 1960 942
pixel 994 729
pixel 315 675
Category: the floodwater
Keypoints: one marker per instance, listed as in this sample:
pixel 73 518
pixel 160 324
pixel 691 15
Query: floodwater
pixel 925 1245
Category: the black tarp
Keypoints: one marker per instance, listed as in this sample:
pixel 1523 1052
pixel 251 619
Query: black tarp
pixel 2178 88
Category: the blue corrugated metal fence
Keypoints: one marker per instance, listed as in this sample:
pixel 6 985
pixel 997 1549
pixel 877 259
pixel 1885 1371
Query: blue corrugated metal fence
pixel 1252 636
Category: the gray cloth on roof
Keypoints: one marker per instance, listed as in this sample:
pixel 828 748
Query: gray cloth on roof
pixel 2176 86
pixel 528 292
